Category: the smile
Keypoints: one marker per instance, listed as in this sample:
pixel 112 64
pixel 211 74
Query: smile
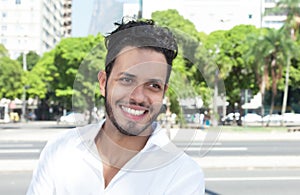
pixel 133 111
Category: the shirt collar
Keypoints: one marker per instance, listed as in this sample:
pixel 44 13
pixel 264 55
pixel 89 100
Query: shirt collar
pixel 88 133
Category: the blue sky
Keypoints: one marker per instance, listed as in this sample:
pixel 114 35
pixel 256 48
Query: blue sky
pixel 81 17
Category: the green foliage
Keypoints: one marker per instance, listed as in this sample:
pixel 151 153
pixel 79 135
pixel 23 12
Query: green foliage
pixel 42 75
pixel 235 71
pixel 182 77
pixel 11 78
pixel 173 20
pixel 3 51
pixel 31 59
pixel 77 62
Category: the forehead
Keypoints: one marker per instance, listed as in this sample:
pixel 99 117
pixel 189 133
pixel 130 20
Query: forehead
pixel 141 62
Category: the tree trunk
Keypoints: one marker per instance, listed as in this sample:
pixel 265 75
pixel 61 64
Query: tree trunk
pixel 274 87
pixel 271 108
pixel 287 77
pixel 286 89
pixel 262 90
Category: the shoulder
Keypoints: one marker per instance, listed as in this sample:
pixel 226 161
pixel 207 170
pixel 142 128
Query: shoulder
pixel 190 166
pixel 71 138
pixel 188 173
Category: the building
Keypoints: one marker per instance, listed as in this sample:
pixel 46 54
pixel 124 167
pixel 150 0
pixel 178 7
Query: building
pixel 211 15
pixel 106 13
pixel 207 15
pixel 33 25
pixel 272 20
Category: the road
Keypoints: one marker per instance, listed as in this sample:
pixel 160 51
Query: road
pixel 254 181
pixel 232 166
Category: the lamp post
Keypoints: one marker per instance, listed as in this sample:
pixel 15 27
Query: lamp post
pixel 140 14
pixel 23 116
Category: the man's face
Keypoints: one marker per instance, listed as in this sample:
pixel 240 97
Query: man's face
pixel 135 90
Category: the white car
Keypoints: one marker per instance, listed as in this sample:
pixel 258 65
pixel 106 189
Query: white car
pixel 274 118
pixel 291 117
pixel 251 118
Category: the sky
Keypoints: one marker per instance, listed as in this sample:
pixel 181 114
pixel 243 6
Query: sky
pixel 81 17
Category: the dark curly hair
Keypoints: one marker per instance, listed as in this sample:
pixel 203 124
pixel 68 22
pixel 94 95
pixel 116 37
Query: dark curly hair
pixel 143 34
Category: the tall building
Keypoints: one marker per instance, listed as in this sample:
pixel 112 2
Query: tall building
pixel 210 15
pixel 106 13
pixel 272 20
pixel 33 25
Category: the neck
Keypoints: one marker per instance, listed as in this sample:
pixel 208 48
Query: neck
pixel 116 148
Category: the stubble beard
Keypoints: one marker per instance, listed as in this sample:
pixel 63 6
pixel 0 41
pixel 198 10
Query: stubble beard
pixel 130 124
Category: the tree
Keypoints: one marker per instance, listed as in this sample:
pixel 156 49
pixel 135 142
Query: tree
pixel 31 59
pixel 3 51
pixel 274 48
pixel 77 62
pixel 292 22
pixel 42 76
pixel 11 78
pixel 227 49
pixel 182 83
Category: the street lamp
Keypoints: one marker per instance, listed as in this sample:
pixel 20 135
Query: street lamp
pixel 140 14
pixel 23 116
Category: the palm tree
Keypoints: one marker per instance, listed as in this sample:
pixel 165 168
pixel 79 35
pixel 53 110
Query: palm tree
pixel 256 58
pixel 278 47
pixel 291 25
pixel 270 51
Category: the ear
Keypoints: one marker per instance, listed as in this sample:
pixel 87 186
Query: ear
pixel 166 88
pixel 102 81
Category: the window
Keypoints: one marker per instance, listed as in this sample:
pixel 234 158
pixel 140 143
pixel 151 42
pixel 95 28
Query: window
pixel 3 27
pixel 3 41
pixel 18 1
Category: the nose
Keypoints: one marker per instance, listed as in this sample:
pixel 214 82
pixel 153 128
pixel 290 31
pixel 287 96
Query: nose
pixel 138 94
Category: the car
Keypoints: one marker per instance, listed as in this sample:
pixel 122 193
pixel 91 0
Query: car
pixel 230 118
pixel 273 118
pixel 291 117
pixel 251 118
pixel 72 118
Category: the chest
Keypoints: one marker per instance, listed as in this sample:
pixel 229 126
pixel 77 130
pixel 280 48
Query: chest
pixel 82 177
pixel 109 173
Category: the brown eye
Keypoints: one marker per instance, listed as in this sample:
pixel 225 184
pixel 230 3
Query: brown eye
pixel 155 86
pixel 125 81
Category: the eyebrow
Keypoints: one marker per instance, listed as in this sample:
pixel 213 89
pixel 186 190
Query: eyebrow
pixel 134 76
pixel 156 81
pixel 127 74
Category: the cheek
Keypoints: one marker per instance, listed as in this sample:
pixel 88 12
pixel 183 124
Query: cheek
pixel 156 100
pixel 116 92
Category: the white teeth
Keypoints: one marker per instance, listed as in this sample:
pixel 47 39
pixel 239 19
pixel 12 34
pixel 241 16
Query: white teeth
pixel 132 111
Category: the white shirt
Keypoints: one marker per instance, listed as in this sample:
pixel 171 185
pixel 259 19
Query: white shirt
pixel 70 165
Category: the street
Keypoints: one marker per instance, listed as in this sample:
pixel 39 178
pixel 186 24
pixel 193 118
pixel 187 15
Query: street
pixel 233 165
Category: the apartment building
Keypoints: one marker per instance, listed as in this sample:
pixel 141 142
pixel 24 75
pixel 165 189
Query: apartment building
pixel 272 20
pixel 33 25
pixel 211 15
pixel 106 13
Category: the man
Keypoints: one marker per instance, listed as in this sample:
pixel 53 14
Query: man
pixel 127 153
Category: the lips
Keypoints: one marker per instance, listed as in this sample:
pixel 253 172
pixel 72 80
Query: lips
pixel 134 112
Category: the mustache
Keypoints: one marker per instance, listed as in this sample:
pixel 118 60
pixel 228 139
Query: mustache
pixel 132 102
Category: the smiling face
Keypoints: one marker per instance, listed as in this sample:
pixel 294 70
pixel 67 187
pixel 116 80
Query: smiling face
pixel 134 90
